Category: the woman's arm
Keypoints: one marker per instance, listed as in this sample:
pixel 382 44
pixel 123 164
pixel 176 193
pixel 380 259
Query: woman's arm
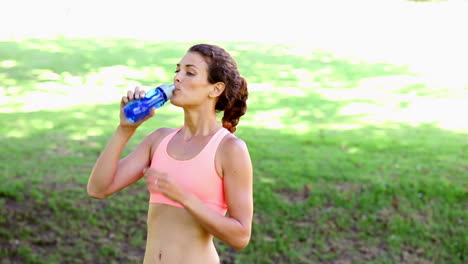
pixel 110 174
pixel 234 229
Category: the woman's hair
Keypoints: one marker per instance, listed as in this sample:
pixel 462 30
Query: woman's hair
pixel 223 68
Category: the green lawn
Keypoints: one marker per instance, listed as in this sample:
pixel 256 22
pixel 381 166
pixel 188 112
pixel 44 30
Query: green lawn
pixel 353 162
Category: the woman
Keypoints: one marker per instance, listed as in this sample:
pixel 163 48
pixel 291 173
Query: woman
pixel 196 173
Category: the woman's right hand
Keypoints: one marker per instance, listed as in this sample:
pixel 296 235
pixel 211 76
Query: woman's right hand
pixel 132 95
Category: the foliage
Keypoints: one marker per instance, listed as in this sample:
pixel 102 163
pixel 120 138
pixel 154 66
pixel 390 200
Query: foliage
pixel 330 186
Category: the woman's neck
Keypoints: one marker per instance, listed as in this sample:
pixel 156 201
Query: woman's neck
pixel 200 123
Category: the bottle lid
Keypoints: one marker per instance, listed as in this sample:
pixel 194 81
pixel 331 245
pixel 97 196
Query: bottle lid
pixel 168 89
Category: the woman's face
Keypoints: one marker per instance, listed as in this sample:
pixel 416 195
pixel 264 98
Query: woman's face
pixel 191 81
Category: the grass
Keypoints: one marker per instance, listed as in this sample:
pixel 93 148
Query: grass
pixel 342 174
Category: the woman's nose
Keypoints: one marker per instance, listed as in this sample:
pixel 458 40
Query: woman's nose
pixel 177 77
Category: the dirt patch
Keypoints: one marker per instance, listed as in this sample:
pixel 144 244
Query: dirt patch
pixel 293 197
pixel 348 186
pixel 354 250
pixel 409 255
pixel 329 241
pixel 33 229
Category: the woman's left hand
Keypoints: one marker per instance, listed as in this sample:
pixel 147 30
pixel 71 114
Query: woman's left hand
pixel 163 183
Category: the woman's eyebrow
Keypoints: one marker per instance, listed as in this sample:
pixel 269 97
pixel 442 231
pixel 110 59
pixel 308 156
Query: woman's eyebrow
pixel 187 65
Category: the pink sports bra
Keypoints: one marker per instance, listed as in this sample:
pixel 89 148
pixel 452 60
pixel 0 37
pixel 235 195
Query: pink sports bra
pixel 198 175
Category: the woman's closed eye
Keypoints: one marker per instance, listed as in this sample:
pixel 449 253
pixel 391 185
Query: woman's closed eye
pixel 188 73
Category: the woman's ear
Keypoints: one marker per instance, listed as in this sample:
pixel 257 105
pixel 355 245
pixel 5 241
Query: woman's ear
pixel 217 89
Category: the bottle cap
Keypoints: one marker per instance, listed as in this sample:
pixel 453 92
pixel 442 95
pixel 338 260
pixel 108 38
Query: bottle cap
pixel 167 88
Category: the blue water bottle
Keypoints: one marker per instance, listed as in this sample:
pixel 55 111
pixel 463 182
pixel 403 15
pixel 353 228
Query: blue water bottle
pixel 137 110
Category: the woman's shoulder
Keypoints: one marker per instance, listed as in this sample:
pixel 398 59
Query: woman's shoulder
pixel 234 156
pixel 232 146
pixel 162 132
pixel 158 135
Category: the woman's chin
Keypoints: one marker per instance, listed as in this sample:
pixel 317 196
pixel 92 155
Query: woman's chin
pixel 175 102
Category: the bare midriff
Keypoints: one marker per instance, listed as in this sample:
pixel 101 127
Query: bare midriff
pixel 174 237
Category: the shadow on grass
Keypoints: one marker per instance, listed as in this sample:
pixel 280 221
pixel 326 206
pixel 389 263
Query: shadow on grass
pixel 390 193
pixel 371 193
pixel 26 63
pixel 80 57
pixel 285 66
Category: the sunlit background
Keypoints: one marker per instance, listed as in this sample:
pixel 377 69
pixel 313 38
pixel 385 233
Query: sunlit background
pixel 357 124
pixel 429 38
